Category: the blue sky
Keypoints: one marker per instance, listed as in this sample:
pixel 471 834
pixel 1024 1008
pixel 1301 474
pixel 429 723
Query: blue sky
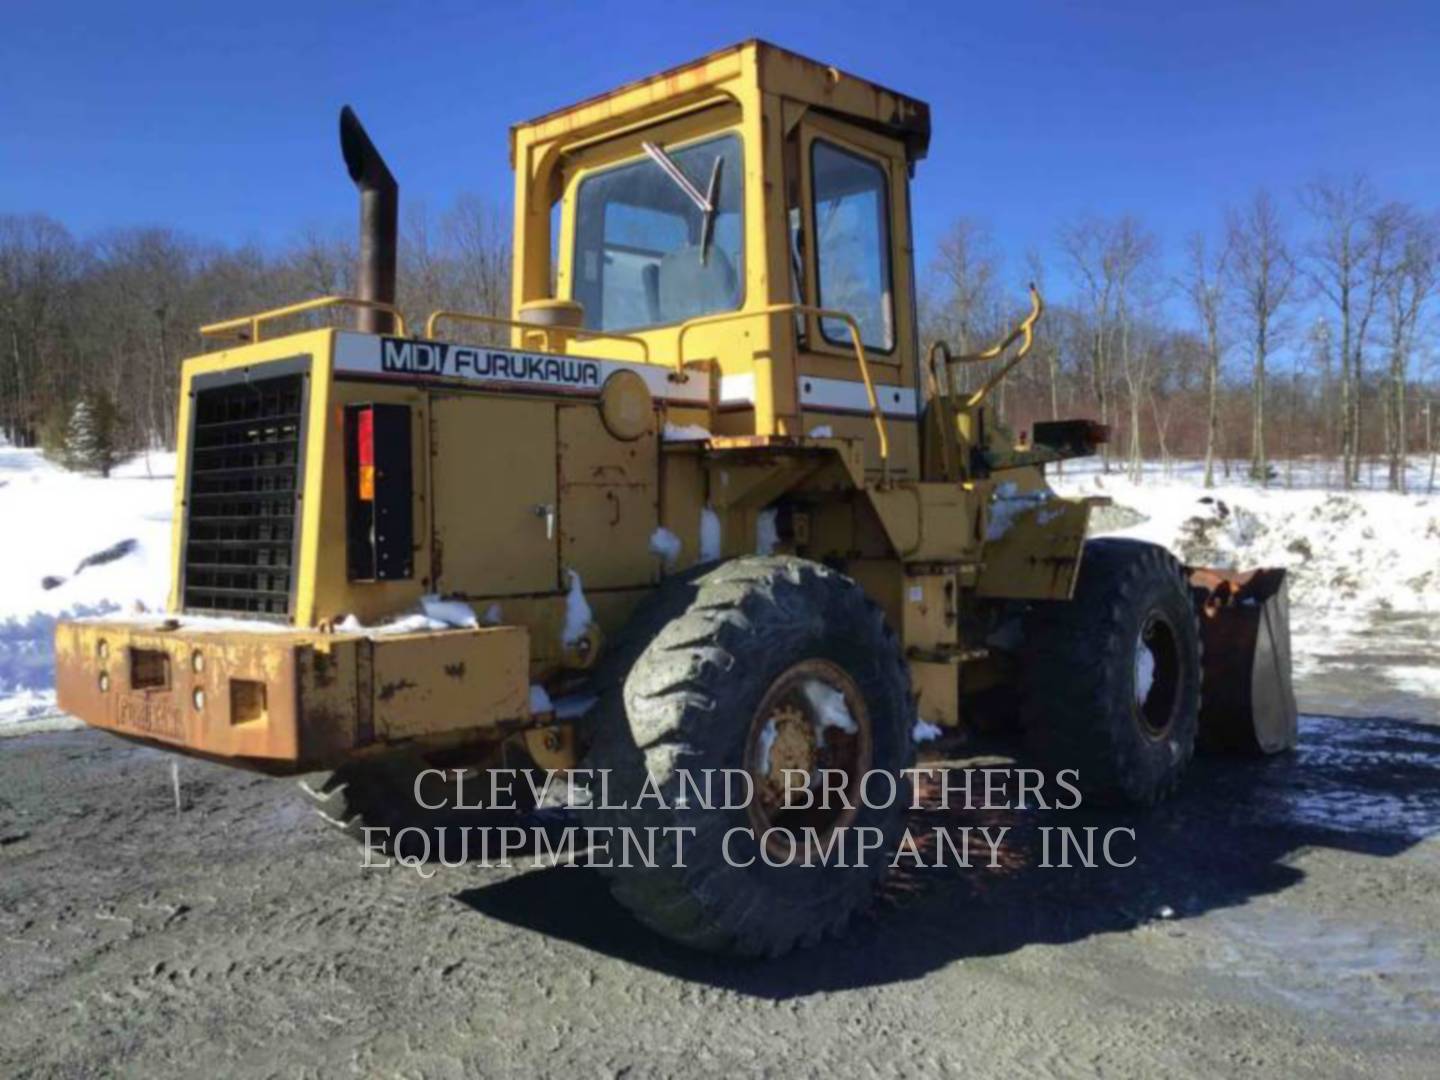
pixel 219 119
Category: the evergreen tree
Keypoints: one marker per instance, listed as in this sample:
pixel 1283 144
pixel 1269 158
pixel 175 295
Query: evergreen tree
pixel 91 442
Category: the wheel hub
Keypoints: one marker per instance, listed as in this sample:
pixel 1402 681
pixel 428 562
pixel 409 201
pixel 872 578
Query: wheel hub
pixel 1157 676
pixel 811 718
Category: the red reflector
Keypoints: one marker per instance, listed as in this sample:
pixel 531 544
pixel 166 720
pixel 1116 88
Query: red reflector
pixel 365 437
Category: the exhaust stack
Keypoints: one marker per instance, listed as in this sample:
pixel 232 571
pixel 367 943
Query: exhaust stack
pixel 379 215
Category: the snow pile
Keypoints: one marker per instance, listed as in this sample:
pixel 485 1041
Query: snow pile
pixel 767 536
pixel 577 612
pixel 435 613
pixel 709 535
pixel 1008 504
pixel 666 546
pixel 101 546
pixel 924 732
pixel 1359 551
pixel 830 710
pixel 685 433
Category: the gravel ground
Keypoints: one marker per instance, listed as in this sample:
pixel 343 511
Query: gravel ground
pixel 1281 920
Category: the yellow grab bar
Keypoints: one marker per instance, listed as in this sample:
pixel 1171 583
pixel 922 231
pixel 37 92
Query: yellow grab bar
pixel 1025 329
pixel 498 320
pixel 800 309
pixel 254 321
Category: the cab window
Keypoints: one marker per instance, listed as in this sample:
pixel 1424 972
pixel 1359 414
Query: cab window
pixel 647 252
pixel 852 244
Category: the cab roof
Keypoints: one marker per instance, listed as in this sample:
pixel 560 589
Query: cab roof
pixel 773 69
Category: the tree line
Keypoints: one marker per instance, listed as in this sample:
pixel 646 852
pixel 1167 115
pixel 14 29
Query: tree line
pixel 1285 336
pixel 1298 332
pixel 100 325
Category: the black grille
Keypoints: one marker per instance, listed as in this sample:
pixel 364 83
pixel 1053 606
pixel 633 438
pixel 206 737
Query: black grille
pixel 244 473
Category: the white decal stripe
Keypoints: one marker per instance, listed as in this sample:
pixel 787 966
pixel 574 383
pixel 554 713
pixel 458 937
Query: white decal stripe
pixel 360 354
pixel 849 395
pixel 737 389
pixel 837 395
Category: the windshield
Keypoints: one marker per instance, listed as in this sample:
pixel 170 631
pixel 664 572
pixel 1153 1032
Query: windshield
pixel 646 252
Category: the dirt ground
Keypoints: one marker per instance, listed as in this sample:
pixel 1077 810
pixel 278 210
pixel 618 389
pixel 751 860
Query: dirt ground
pixel 1283 919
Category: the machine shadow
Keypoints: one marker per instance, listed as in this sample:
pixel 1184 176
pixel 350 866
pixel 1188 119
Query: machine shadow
pixel 1224 840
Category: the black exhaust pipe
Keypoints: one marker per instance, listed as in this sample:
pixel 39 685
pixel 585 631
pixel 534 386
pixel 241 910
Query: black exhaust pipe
pixel 379 217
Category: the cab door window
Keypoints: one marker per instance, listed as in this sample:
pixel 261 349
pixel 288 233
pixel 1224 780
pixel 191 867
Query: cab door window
pixel 852 244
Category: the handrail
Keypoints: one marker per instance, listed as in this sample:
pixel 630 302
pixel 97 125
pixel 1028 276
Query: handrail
pixel 800 309
pixel 254 321
pixel 499 320
pixel 1025 329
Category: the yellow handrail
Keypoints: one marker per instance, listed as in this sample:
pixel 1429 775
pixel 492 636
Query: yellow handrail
pixel 498 320
pixel 800 309
pixel 1025 329
pixel 254 321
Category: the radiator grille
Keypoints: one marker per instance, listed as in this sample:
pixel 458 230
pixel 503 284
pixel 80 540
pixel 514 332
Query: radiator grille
pixel 244 471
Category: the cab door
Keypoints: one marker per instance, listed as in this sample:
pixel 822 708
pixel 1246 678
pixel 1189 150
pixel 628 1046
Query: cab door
pixel 854 247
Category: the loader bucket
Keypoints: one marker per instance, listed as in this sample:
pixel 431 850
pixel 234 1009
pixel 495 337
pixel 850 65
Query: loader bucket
pixel 1247 701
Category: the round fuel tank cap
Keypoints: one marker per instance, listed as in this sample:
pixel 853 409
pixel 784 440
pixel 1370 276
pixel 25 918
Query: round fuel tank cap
pixel 626 406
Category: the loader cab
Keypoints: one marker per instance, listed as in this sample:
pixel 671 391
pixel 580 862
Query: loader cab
pixel 698 210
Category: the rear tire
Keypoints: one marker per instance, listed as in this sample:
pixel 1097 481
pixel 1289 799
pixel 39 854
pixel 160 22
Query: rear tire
pixel 380 795
pixel 686 692
pixel 376 795
pixel 1112 677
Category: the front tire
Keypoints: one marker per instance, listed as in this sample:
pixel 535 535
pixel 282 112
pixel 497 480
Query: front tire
pixel 1112 676
pixel 762 664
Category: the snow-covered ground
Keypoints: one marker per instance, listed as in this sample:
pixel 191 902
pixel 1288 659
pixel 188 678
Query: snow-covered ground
pixel 51 521
pixel 1365 565
pixel 1364 569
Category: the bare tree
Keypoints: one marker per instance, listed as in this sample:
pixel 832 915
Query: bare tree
pixel 1349 262
pixel 1129 256
pixel 1407 290
pixel 966 268
pixel 1084 243
pixel 1262 280
pixel 1203 284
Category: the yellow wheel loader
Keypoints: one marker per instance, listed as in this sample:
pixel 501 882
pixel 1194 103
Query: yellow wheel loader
pixel 700 502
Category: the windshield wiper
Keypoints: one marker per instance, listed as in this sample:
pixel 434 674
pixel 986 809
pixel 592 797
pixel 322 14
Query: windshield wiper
pixel 708 203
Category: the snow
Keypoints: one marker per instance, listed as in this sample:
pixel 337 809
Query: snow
pixel 450 612
pixel 709 535
pixel 1355 551
pixel 766 536
pixel 666 545
pixel 435 613
pixel 829 708
pixel 767 743
pixel 823 431
pixel 51 521
pixel 685 433
pixel 924 732
pixel 577 612
pixel 1007 506
pixel 215 624
pixel 1144 672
